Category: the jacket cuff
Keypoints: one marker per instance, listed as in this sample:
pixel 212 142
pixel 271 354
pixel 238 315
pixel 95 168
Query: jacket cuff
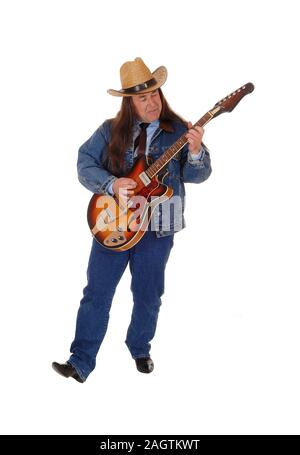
pixel 110 190
pixel 106 187
pixel 197 156
pixel 198 160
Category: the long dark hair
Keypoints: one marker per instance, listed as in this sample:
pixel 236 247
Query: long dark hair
pixel 121 132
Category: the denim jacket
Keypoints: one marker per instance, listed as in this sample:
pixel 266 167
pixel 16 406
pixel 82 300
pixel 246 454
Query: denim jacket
pixel 168 217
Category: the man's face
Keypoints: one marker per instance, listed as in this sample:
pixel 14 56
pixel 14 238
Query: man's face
pixel 147 106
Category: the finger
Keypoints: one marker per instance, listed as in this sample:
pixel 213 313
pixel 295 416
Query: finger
pixel 191 142
pixel 190 125
pixel 194 136
pixel 200 129
pixel 128 185
pixel 125 193
pixel 196 129
pixel 129 181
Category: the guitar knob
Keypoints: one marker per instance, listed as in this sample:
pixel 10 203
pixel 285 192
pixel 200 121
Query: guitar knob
pixel 121 237
pixel 113 240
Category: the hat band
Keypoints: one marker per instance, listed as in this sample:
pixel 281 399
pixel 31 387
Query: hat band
pixel 140 87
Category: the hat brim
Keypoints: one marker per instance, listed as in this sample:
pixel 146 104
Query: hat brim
pixel 160 75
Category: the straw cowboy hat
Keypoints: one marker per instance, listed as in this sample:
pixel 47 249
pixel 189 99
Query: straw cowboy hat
pixel 136 78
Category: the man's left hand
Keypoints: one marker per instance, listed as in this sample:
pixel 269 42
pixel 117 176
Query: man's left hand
pixel 194 137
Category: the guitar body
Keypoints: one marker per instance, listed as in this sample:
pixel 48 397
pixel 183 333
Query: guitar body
pixel 118 225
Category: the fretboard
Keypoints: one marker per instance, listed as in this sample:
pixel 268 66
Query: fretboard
pixel 171 151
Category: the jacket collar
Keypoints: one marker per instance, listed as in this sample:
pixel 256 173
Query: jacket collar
pixel 166 126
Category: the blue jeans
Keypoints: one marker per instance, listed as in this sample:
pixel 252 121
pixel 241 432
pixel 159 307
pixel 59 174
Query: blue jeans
pixel 147 262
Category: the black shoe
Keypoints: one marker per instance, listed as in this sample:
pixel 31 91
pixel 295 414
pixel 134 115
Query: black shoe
pixel 144 364
pixel 67 370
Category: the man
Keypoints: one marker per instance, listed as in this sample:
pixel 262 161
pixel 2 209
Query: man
pixel 103 163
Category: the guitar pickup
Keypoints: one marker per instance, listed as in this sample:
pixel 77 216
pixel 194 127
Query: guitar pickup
pixel 144 178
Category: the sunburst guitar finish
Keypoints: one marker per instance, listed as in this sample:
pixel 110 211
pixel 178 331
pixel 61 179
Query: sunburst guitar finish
pixel 119 225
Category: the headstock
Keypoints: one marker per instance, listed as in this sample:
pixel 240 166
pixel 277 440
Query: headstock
pixel 228 103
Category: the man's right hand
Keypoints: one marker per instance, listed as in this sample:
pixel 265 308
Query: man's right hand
pixel 123 187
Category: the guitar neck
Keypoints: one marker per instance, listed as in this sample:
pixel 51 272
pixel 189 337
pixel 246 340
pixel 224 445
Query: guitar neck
pixel 227 104
pixel 178 145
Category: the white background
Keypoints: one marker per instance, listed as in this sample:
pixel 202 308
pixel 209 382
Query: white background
pixel 226 350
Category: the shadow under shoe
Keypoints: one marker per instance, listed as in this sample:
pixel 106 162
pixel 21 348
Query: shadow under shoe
pixel 144 364
pixel 67 370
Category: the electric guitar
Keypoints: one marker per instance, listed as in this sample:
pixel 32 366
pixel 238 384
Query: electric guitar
pixel 118 224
